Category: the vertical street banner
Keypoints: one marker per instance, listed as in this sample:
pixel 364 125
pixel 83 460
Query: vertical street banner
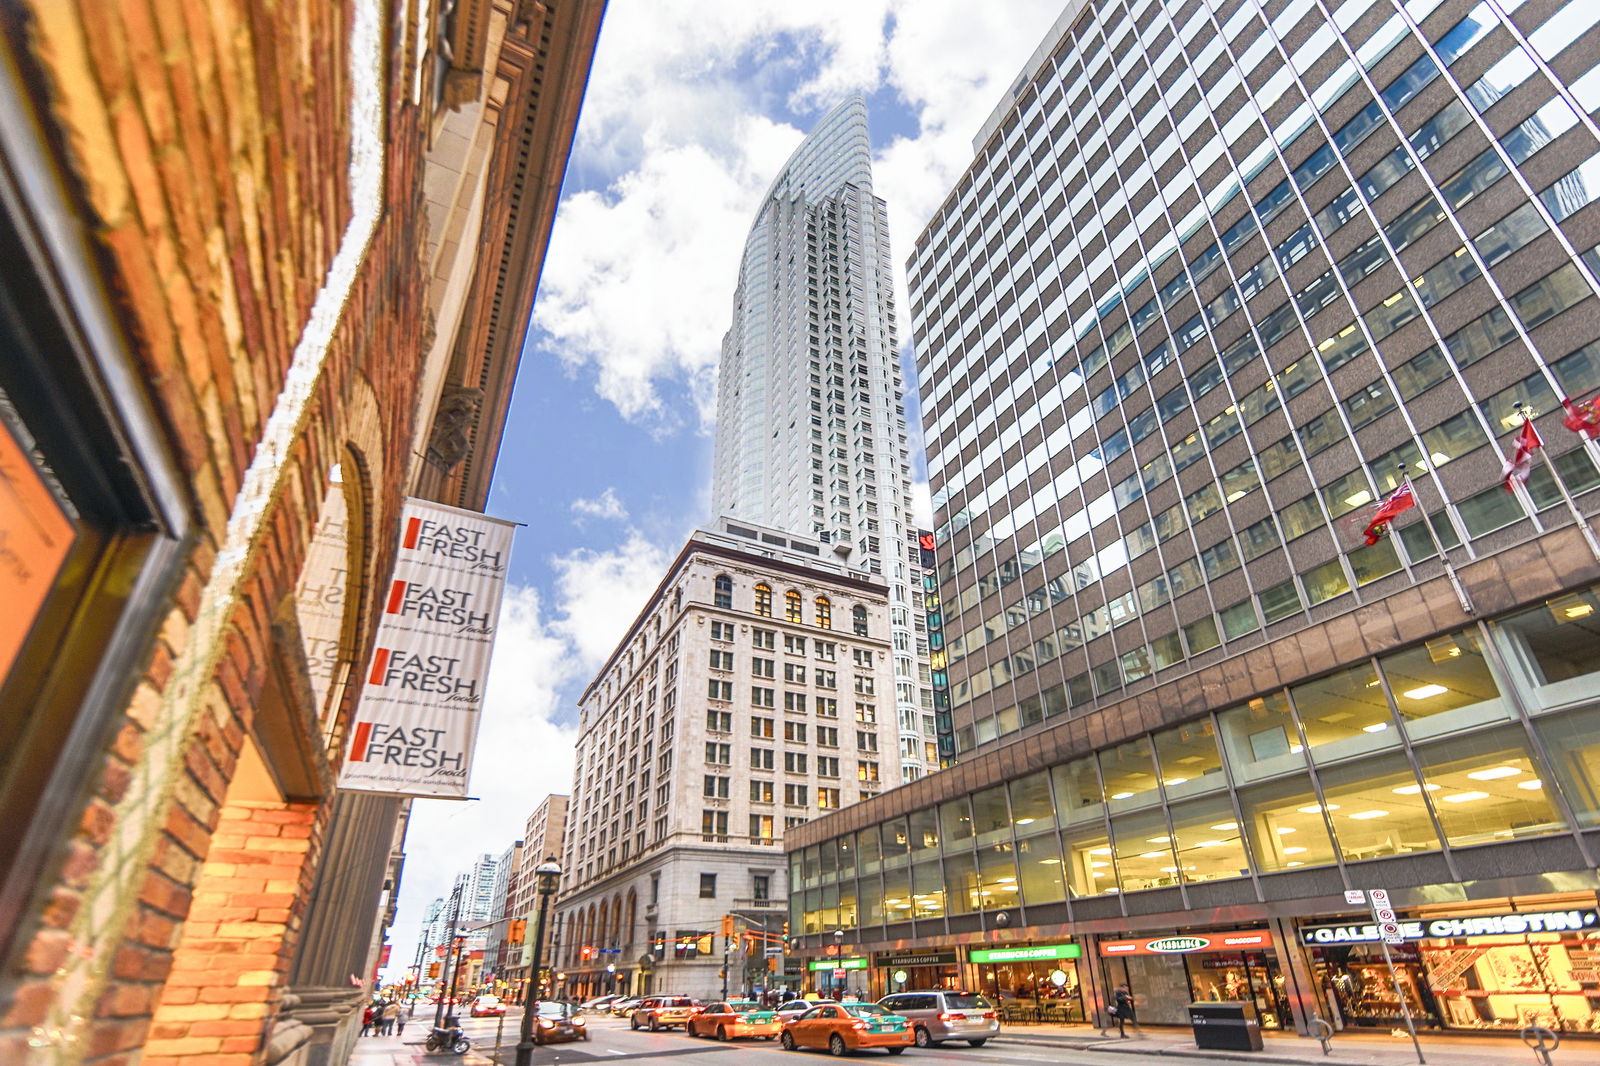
pixel 417 722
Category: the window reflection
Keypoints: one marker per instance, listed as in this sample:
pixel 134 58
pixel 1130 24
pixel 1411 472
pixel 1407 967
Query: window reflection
pixel 1208 840
pixel 1143 851
pixel 871 900
pixel 997 877
pixel 1573 743
pixel 924 833
pixel 1345 714
pixel 1090 871
pixel 1189 760
pixel 927 890
pixel 1377 808
pixel 1078 794
pixel 1040 867
pixel 1444 686
pixel 897 894
pixel 1261 739
pixel 1555 647
pixel 990 816
pixel 1487 787
pixel 1129 775
pixel 1030 802
pixel 1284 824
pixel 961 883
pixel 955 825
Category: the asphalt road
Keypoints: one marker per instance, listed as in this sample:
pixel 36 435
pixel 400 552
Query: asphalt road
pixel 612 1041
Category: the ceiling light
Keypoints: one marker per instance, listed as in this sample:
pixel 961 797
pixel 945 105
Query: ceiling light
pixel 1169 869
pixel 1466 797
pixel 902 906
pixel 1153 854
pixel 1121 795
pixel 1007 880
pixel 1423 692
pixel 1364 815
pixel 1175 780
pixel 1099 851
pixel 1412 790
pixel 1051 862
pixel 1285 830
pixel 1024 821
pixel 1297 748
pixel 1223 827
pixel 1209 844
pixel 1295 863
pixel 1294 851
pixel 1532 786
pixel 1099 865
pixel 1314 809
pixel 1158 840
pixel 1580 610
pixel 1375 727
pixel 1358 499
pixel 1494 773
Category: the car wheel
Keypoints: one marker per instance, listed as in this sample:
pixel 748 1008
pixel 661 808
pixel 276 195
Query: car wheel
pixel 432 1043
pixel 836 1046
pixel 923 1039
pixel 633 1023
pixel 787 1040
pixel 655 1026
pixel 722 1034
pixel 982 1040
pixel 690 1031
pixel 894 1050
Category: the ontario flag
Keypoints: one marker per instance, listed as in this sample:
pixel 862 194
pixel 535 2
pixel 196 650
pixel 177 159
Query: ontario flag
pixel 1395 504
pixel 1520 465
pixel 1582 418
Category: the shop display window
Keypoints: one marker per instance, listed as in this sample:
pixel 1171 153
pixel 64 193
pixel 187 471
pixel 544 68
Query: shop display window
pixel 927 890
pixel 1208 840
pixel 1129 773
pixel 1284 823
pixel 1159 984
pixel 1079 797
pixel 990 816
pixel 1033 992
pixel 1554 648
pixel 1262 739
pixel 1377 808
pixel 1143 850
pixel 1235 976
pixel 897 893
pixel 1189 759
pixel 1030 802
pixel 1359 992
pixel 961 883
pixel 1040 867
pixel 955 825
pixel 1486 787
pixel 1444 686
pixel 1573 741
pixel 997 877
pixel 1090 871
pixel 1345 715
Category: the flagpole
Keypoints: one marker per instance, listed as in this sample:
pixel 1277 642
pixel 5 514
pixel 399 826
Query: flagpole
pixel 1572 505
pixel 1450 571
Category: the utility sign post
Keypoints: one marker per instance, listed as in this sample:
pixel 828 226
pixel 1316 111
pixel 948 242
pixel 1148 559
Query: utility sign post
pixel 1383 917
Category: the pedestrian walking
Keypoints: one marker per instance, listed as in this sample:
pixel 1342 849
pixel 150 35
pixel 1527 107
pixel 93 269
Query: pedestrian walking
pixel 390 1013
pixel 366 1021
pixel 1123 1012
pixel 403 1017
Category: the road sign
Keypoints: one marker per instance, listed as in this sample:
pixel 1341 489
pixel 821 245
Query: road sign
pixel 1354 896
pixel 773 953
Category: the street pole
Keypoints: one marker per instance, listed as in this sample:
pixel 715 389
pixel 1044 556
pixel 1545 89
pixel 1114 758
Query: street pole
pixel 547 872
pixel 455 918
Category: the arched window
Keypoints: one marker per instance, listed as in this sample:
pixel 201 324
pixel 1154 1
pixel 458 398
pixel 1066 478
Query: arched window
pixel 724 595
pixel 764 600
pixel 858 618
pixel 824 613
pixel 791 606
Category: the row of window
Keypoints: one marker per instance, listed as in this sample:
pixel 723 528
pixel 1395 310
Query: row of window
pixel 793 606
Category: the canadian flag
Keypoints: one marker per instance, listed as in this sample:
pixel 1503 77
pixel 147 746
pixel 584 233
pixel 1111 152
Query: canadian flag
pixel 1520 465
pixel 1396 503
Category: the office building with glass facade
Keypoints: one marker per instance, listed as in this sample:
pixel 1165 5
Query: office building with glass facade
pixel 1217 270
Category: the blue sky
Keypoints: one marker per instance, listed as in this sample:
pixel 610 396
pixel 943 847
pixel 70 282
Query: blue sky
pixel 691 109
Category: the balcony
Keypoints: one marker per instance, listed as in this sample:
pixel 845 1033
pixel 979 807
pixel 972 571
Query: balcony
pixel 760 905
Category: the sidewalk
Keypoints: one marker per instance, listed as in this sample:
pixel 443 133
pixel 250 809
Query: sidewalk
pixel 408 1051
pixel 1348 1048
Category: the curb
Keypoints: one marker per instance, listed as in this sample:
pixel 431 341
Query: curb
pixel 1116 1048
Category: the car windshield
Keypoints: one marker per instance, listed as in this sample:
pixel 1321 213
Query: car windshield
pixel 488 1001
pixel 680 1002
pixel 553 1008
pixel 966 1001
pixel 796 1004
pixel 865 1010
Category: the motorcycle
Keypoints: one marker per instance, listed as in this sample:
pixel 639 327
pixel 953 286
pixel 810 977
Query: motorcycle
pixel 448 1039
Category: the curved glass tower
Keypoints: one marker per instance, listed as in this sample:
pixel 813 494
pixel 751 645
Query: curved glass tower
pixel 811 431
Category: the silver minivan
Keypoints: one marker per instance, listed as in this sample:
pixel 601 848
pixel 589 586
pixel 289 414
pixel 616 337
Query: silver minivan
pixel 939 1015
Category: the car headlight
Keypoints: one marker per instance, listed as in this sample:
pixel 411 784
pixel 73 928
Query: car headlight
pixel 577 1021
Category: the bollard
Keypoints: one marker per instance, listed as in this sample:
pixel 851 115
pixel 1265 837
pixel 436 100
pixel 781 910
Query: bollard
pixel 1542 1041
pixel 1322 1029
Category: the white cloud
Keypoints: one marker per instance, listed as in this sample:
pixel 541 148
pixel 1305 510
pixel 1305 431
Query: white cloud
pixel 921 503
pixel 602 592
pixel 676 135
pixel 606 506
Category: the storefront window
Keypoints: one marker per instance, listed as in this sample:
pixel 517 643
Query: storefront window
pixel 955 825
pixel 1444 686
pixel 1078 794
pixel 1089 868
pixel 1189 760
pixel 1356 984
pixel 1030 802
pixel 927 890
pixel 1233 976
pixel 997 877
pixel 1555 648
pixel 1285 826
pixel 1039 864
pixel 1573 741
pixel 961 883
pixel 896 842
pixel 1143 851
pixel 1345 715
pixel 869 850
pixel 990 816
pixel 897 894
pixel 1261 739
pixel 1377 809
pixel 1208 840
pixel 1487 787
pixel 1130 775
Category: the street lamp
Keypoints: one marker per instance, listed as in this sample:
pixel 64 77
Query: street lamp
pixel 548 873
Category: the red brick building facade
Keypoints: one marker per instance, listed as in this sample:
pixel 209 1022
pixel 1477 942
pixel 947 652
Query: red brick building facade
pixel 222 286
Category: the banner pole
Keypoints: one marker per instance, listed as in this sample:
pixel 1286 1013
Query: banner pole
pixel 1450 571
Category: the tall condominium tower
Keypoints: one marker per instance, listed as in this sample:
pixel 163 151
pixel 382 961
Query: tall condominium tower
pixel 811 427
pixel 1218 269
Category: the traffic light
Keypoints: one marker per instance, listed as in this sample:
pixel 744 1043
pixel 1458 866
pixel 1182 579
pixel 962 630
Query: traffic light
pixel 727 925
pixel 588 952
pixel 786 938
pixel 433 969
pixel 518 931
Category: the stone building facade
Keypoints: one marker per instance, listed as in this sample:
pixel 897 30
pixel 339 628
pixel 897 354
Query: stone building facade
pixel 229 336
pixel 754 691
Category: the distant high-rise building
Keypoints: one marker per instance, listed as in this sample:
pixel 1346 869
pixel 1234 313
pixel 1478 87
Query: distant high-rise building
pixel 1216 272
pixel 811 420
pixel 542 840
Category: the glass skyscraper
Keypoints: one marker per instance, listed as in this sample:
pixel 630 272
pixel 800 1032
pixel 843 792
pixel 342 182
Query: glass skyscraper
pixel 1217 270
pixel 811 427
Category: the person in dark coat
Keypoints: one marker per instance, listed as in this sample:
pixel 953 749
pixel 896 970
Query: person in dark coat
pixel 1124 1011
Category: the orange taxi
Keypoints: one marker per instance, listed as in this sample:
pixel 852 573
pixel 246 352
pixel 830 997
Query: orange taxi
pixel 734 1018
pixel 846 1027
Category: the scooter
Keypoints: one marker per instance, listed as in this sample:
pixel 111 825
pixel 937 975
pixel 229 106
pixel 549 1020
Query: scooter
pixel 450 1039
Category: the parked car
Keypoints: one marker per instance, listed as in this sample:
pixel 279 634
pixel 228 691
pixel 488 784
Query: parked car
pixel 939 1015
pixel 792 1009
pixel 656 1013
pixel 623 1006
pixel 732 1019
pixel 487 1007
pixel 847 1027
pixel 598 1005
pixel 558 1021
